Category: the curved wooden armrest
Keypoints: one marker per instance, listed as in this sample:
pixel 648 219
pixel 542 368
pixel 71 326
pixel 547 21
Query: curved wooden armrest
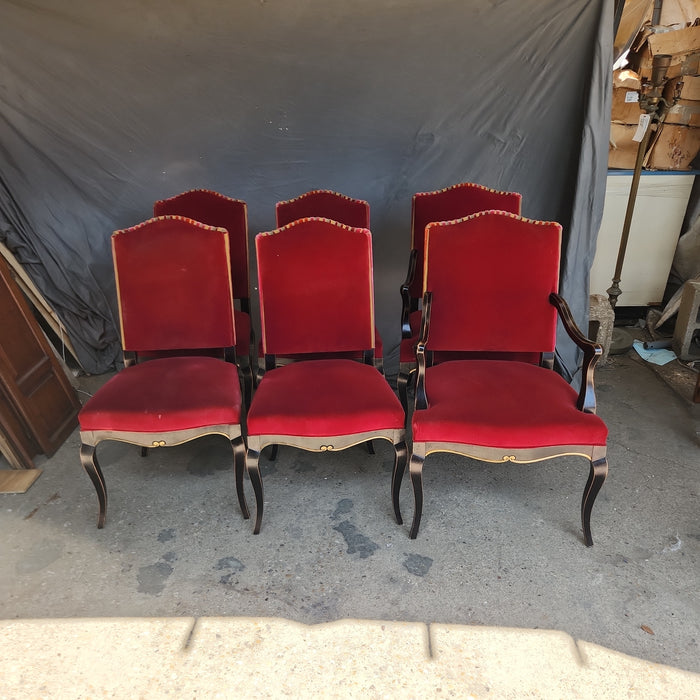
pixel 591 353
pixel 405 295
pixel 421 396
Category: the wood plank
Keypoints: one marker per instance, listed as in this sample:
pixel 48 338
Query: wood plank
pixel 36 298
pixel 17 480
pixel 31 377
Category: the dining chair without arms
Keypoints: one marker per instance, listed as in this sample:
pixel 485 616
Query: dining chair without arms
pixel 317 300
pixel 174 293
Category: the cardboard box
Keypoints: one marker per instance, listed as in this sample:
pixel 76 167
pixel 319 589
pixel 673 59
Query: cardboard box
pixel 626 78
pixel 685 112
pixel 674 148
pixel 683 45
pixel 622 152
pixel 681 12
pixel 625 106
pixel 685 87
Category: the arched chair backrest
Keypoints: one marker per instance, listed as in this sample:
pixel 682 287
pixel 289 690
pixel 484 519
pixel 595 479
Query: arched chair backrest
pixel 490 275
pixel 451 203
pixel 316 288
pixel 173 285
pixel 326 204
pixel 215 209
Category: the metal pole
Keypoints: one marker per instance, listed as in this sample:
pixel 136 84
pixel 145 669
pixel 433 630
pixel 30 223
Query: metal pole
pixel 650 104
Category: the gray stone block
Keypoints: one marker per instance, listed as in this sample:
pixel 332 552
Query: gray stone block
pixel 687 322
pixel 601 322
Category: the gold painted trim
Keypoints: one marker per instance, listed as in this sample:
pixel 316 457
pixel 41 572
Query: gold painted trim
pixel 370 263
pixel 496 455
pixel 306 219
pixel 490 212
pixel 227 252
pixel 119 293
pixel 325 443
pixel 247 248
pixel 159 439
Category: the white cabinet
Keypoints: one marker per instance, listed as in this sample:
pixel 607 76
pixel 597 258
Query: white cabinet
pixel 662 199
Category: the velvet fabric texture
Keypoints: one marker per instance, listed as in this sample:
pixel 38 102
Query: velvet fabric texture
pixel 505 404
pixel 491 275
pixel 215 209
pixel 174 285
pixel 318 398
pixel 326 204
pixel 316 288
pixel 454 202
pixel 175 393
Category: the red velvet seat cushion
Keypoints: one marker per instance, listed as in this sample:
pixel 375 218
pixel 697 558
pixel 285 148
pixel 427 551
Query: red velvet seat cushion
pixel 498 403
pixel 414 321
pixel 174 393
pixel 318 398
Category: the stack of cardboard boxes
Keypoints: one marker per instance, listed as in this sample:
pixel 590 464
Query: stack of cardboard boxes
pixel 675 142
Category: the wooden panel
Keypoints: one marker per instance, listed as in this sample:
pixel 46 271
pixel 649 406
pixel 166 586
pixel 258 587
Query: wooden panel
pixel 16 442
pixel 32 380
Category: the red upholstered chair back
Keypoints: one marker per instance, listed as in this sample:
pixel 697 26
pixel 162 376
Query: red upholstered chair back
pixel 451 203
pixel 316 288
pixel 216 209
pixel 326 204
pixel 491 275
pixel 173 285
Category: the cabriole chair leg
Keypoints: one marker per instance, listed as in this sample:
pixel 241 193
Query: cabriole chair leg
pixel 88 458
pixel 253 468
pixel 400 460
pixel 239 468
pixel 416 471
pixel 596 477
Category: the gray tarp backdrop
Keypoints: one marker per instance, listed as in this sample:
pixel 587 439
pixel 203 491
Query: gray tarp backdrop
pixel 106 107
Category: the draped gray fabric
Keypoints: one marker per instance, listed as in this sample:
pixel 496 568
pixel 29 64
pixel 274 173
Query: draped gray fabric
pixel 106 107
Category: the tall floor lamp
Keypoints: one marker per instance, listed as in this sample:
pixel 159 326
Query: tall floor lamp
pixel 650 101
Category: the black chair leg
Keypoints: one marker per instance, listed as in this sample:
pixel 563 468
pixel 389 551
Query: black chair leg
pixel 238 469
pixel 252 464
pixel 416 470
pixel 596 477
pixel 400 460
pixel 88 458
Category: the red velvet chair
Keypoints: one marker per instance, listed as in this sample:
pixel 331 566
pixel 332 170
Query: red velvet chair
pixel 316 297
pixel 449 203
pixel 174 292
pixel 328 205
pixel 491 286
pixel 216 209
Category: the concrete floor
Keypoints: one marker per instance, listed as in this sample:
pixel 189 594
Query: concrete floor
pixel 499 547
